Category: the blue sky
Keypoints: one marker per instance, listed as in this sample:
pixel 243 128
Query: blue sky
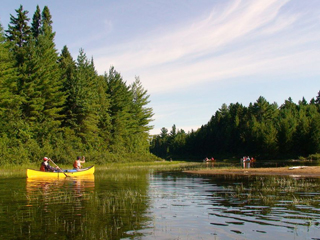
pixel 193 56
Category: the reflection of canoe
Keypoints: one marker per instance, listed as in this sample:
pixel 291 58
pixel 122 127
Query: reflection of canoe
pixel 66 173
pixel 57 190
pixel 34 184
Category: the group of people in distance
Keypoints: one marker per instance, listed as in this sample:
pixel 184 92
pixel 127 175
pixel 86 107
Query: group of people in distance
pixel 45 165
pixel 247 162
pixel 209 160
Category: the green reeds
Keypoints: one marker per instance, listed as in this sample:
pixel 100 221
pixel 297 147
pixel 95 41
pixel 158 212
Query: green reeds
pixel 272 190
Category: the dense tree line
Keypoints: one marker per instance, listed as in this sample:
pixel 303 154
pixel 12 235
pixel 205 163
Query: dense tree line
pixel 53 105
pixel 263 130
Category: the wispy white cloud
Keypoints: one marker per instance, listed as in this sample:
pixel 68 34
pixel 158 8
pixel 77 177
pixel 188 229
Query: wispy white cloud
pixel 221 44
pixel 280 24
pixel 241 38
pixel 236 39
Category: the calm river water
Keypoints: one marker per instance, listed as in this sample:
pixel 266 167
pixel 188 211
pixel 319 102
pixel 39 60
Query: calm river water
pixel 150 204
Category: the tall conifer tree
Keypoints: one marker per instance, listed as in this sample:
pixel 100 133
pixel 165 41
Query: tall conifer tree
pixel 68 68
pixel 141 116
pixel 81 107
pixel 104 114
pixel 18 34
pixel 36 23
pixel 9 99
pixel 43 88
pixel 120 104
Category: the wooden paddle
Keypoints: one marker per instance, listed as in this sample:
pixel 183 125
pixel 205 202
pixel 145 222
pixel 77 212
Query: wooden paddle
pixel 59 168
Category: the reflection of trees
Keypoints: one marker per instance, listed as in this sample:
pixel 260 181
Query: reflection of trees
pixel 56 207
pixel 111 206
pixel 121 204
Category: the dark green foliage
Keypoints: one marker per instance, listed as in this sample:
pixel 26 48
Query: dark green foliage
pixel 36 23
pixel 84 100
pixel 51 105
pixel 261 130
pixel 67 69
pixel 18 34
pixel 122 122
pixel 160 144
pixel 141 117
pixel 42 86
pixel 9 98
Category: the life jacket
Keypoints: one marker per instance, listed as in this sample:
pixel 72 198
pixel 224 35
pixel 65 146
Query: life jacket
pixel 42 168
pixel 76 164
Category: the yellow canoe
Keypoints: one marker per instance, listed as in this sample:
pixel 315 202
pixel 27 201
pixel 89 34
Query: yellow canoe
pixel 31 173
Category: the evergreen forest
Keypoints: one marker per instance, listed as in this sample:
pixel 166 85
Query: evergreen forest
pixel 262 130
pixel 56 106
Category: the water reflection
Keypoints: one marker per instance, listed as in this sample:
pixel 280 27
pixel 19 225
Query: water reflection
pixel 109 206
pixel 142 204
pixel 56 207
pixel 66 191
pixel 46 187
pixel 226 207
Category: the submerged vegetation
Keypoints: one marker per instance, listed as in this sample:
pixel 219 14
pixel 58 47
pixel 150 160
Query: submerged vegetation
pixel 124 200
pixel 121 199
pixel 272 190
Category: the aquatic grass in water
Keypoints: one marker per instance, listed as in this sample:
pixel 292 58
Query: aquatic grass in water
pixel 70 206
pixel 20 170
pixel 163 165
pixel 162 202
pixel 273 190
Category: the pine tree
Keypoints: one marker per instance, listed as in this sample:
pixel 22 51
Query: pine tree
pixel 9 99
pixel 317 101
pixel 68 69
pixel 82 100
pixel 43 84
pixel 160 144
pixel 104 113
pixel 287 124
pixel 36 23
pixel 120 104
pixel 314 146
pixel 141 116
pixel 262 128
pixel 18 35
pixel 88 114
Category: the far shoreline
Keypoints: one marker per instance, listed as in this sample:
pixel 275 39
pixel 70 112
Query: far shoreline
pixel 302 171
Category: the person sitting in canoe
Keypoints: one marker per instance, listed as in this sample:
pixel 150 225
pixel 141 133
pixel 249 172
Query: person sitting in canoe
pixel 77 163
pixel 45 166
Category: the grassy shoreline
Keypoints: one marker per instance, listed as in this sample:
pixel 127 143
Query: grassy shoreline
pixel 20 170
pixel 303 171
pixel 185 166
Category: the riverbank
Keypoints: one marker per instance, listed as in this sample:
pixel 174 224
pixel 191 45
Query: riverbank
pixel 302 171
pixel 11 170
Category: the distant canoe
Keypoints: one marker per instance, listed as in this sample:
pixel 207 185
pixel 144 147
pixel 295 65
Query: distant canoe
pixel 298 167
pixel 66 173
